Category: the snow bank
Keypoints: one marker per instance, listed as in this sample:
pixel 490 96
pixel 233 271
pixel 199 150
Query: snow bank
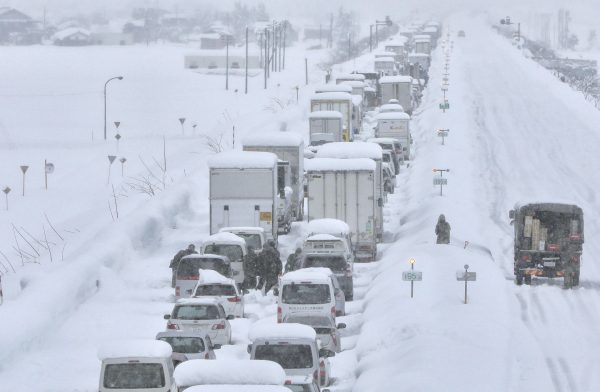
pixel 135 348
pixel 266 331
pixel 331 96
pixel 350 150
pixel 337 164
pixel 395 79
pixel 386 140
pixel 327 226
pixel 243 160
pixel 325 114
pixel 279 139
pixel 331 88
pixel 230 371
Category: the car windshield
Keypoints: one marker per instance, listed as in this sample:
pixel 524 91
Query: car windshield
pixel 226 290
pixel 323 330
pixel 334 263
pixel 185 344
pixel 289 356
pixel 386 157
pixel 299 388
pixel 234 252
pixel 252 240
pixel 305 293
pixel 134 376
pixel 196 312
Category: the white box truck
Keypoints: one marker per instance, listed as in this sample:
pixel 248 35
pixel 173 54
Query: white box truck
pixel 243 191
pixel 395 125
pixel 362 150
pixel 344 189
pixel 397 87
pixel 337 101
pixel 288 146
pixel 325 126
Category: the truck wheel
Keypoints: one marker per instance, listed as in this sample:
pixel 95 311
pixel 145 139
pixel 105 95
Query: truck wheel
pixel 527 279
pixel 576 278
pixel 568 281
pixel 519 279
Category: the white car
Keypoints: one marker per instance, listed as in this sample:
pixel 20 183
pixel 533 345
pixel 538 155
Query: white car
pixel 230 245
pixel 255 236
pixel 188 345
pixel 314 290
pixel 203 315
pixel 301 384
pixel 211 284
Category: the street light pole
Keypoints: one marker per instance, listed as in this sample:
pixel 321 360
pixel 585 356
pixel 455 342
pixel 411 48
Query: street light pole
pixel 105 84
pixel 370 38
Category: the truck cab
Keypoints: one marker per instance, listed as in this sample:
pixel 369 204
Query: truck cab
pixel 548 242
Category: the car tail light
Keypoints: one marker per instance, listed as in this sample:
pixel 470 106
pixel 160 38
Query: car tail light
pixel 525 257
pixel 322 368
pixel 234 299
pixel 333 312
pixel 177 291
pixel 333 339
pixel 554 247
pixel 575 237
pixel 170 325
pixel 279 314
pixel 316 375
pixel 218 326
pixel 206 356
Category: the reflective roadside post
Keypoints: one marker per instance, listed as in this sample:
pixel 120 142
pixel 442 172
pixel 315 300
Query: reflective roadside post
pixel 412 276
pixel 466 276
pixel 441 181
pixel 182 121
pixel 443 133
pixel 6 191
pixel 122 160
pixel 24 170
pixel 111 159
pixel 48 169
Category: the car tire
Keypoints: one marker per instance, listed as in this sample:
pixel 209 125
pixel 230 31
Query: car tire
pixel 519 279
pixel 528 279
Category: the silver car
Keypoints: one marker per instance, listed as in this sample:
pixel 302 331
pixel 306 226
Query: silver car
pixel 188 345
pixel 327 332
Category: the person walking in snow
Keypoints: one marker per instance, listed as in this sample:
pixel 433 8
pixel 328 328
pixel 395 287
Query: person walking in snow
pixel 293 260
pixel 191 249
pixel 442 230
pixel 270 265
pixel 251 269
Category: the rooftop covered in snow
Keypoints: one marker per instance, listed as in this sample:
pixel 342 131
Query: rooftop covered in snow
pixel 267 331
pixel 395 79
pixel 224 237
pixel 243 160
pixel 139 348
pixel 276 138
pixel 337 164
pixel 346 150
pixel 229 371
pixel 308 274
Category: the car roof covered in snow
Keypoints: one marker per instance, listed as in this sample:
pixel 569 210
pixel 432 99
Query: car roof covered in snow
pixel 353 83
pixel 395 79
pixel 213 277
pixel 332 87
pixel 229 371
pixel 386 140
pixel 138 348
pixel 179 333
pixel 337 164
pixel 311 319
pixel 224 237
pixel 268 331
pixel 384 54
pixel 331 96
pixel 346 150
pixel 423 55
pixel 237 388
pixel 328 226
pixel 276 138
pixel 325 114
pixel 348 76
pixel 243 159
pixel 318 274
pixel 323 237
pixel 385 60
pixel 392 116
pixel 197 301
pixel 242 229
pixel 391 107
pixel 206 256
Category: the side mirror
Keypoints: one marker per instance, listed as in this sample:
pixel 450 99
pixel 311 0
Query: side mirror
pixel 249 348
pixel 216 346
pixel 167 316
pixel 341 326
pixel 276 291
pixel 511 214
pixel 325 353
pixel 380 202
pixel 230 317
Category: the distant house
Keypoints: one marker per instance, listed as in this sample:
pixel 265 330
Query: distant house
pixel 215 40
pixel 111 38
pixel 218 59
pixel 18 28
pixel 72 36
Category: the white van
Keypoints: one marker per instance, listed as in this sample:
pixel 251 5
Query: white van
pixel 140 365
pixel 255 236
pixel 232 246
pixel 212 284
pixel 228 372
pixel 294 347
pixel 188 271
pixel 314 290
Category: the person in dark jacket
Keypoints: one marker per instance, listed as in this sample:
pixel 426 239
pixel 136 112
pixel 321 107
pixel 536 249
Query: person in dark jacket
pixel 442 230
pixel 251 269
pixel 270 266
pixel 293 260
pixel 191 249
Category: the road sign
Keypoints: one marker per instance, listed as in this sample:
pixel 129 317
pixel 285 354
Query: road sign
pixel 445 106
pixel 468 276
pixel 443 132
pixel 440 181
pixel 412 276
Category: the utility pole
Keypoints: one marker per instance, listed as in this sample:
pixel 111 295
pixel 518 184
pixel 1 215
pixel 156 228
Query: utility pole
pixel 284 36
pixel 331 32
pixel 246 81
pixel 227 61
pixel 370 38
pixel 265 63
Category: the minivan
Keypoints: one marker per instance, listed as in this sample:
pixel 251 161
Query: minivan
pixel 188 271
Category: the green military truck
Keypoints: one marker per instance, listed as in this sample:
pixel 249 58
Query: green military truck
pixel 548 242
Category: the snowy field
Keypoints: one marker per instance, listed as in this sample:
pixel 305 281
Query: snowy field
pixel 516 134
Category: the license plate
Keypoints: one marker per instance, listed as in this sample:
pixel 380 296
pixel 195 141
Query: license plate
pixel 549 264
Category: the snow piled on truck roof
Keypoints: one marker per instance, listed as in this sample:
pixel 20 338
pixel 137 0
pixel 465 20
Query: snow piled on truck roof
pixel 392 116
pixel 395 79
pixel 229 371
pixel 226 237
pixel 268 331
pixel 139 348
pixel 242 160
pixel 276 138
pixel 308 274
pixel 345 150
pixel 348 76
pixel 337 164
pixel 213 277
pixel 331 87
pixel 325 114
pixel 327 226
pixel 331 96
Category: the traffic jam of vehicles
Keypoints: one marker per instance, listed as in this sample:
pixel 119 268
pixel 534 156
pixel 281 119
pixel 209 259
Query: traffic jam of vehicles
pixel 334 189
